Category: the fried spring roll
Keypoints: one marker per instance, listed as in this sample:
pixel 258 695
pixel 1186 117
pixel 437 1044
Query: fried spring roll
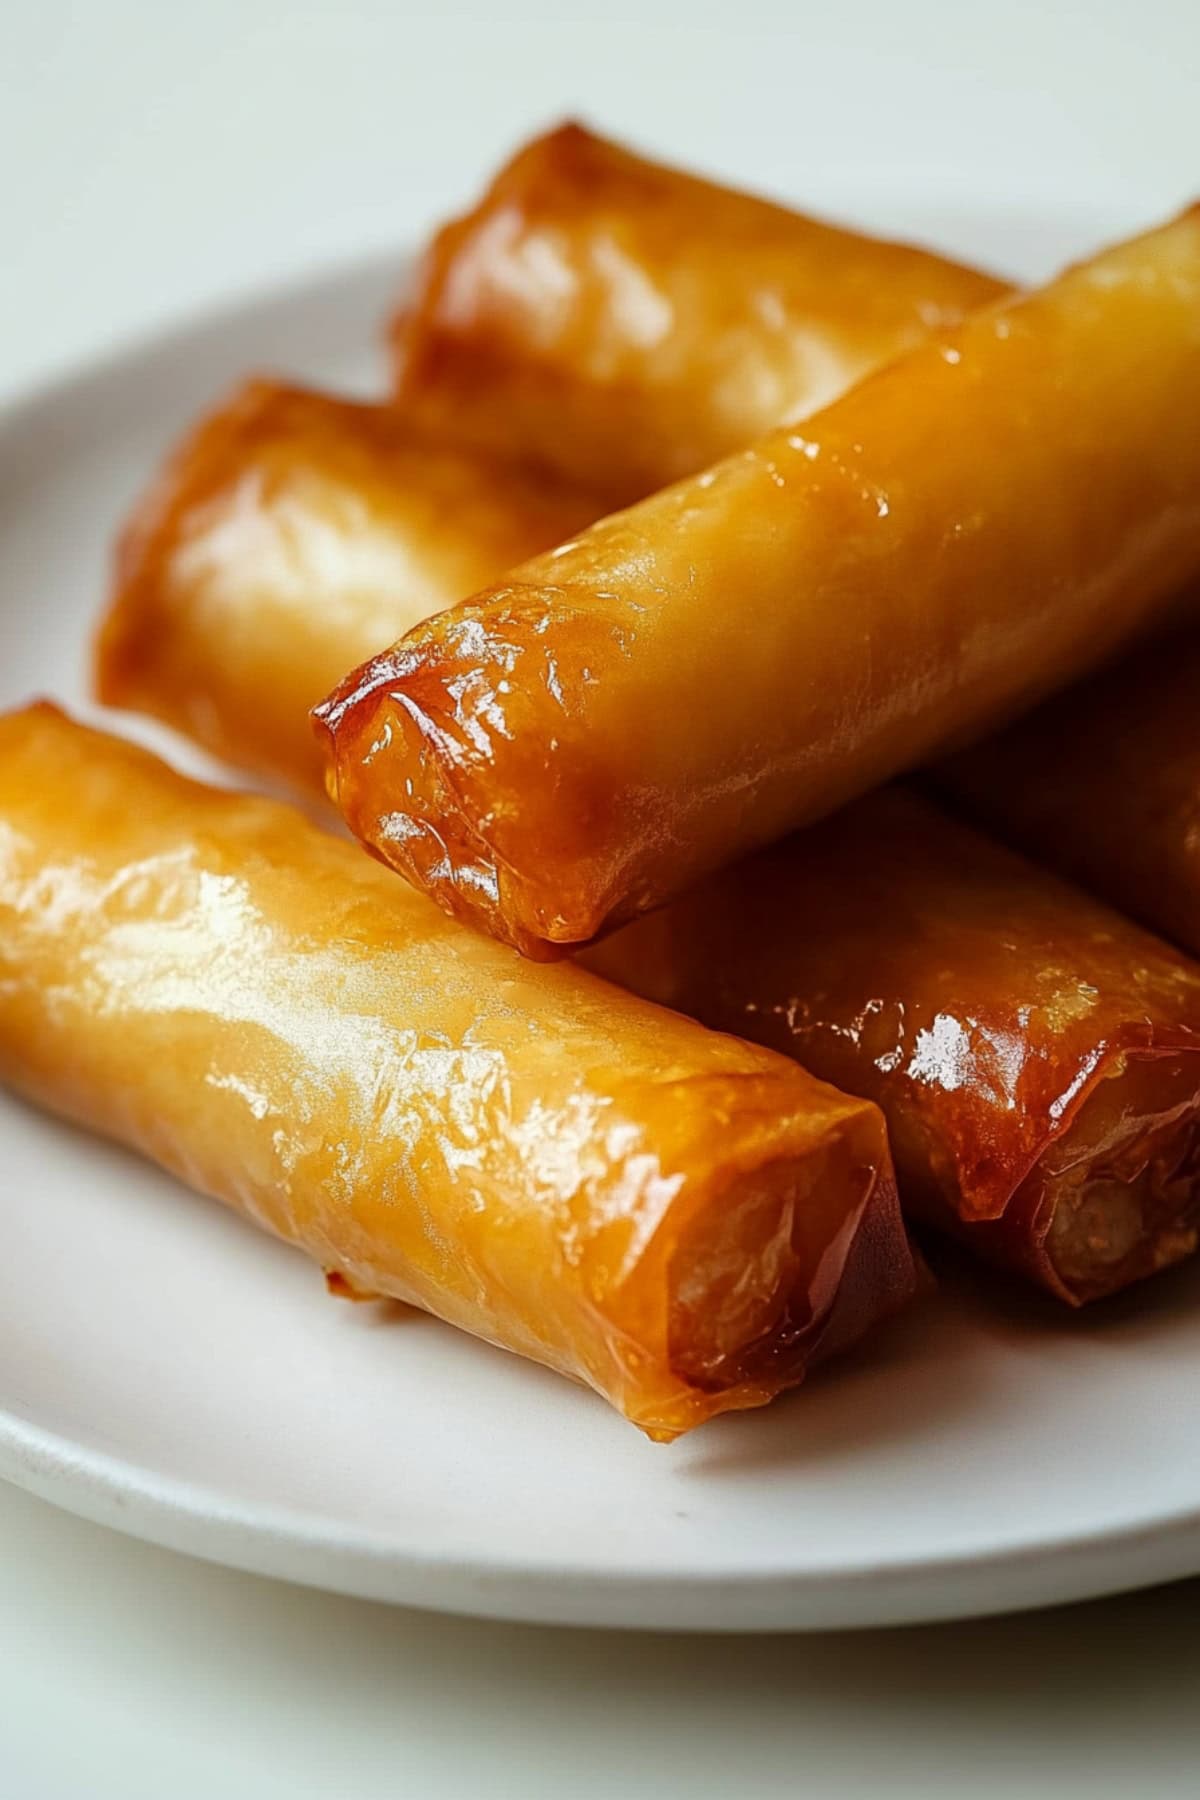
pixel 289 533
pixel 1103 783
pixel 681 1220
pixel 625 324
pixel 1036 1055
pixel 962 533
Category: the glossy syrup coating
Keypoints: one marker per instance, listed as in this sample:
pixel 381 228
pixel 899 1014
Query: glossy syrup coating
pixel 625 324
pixel 1103 783
pixel 679 1219
pixel 288 534
pixel 1037 1056
pixel 963 532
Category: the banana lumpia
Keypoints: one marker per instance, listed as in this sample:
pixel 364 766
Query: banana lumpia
pixel 1103 783
pixel 965 531
pixel 624 324
pixel 679 1219
pixel 289 533
pixel 1036 1055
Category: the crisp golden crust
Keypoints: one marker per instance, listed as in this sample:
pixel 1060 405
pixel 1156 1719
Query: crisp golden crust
pixel 681 1220
pixel 1036 1055
pixel 963 532
pixel 289 533
pixel 625 324
pixel 1103 783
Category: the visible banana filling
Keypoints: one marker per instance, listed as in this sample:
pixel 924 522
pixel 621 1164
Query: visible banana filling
pixel 1122 1184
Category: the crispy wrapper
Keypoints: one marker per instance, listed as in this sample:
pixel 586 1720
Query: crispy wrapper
pixel 964 532
pixel 1037 1056
pixel 681 1220
pixel 624 324
pixel 289 533
pixel 1103 783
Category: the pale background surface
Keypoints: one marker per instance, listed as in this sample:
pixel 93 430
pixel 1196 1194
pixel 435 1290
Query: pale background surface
pixel 154 158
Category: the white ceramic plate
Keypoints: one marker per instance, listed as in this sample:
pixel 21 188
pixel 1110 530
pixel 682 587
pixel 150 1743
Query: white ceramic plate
pixel 165 1369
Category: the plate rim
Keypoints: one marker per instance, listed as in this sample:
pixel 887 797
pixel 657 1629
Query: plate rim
pixel 315 1550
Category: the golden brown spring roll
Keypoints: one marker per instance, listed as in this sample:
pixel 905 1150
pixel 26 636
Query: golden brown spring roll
pixel 681 1220
pixel 625 324
pixel 1036 1055
pixel 289 534
pixel 962 533
pixel 1103 782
